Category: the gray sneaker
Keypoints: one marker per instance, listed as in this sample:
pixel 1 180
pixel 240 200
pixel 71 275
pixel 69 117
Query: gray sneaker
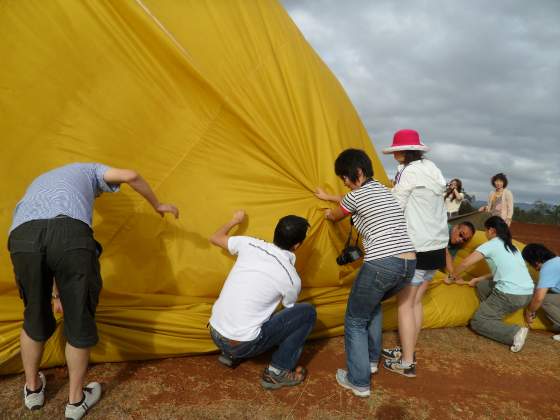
pixel 519 339
pixel 358 391
pixel 92 393
pixel 35 400
pixel 271 380
pixel 394 353
pixel 225 360
pixel 397 367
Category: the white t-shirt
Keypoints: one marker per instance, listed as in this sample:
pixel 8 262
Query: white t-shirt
pixel 262 276
pixel 452 204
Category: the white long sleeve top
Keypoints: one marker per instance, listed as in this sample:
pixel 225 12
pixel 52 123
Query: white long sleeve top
pixel 419 191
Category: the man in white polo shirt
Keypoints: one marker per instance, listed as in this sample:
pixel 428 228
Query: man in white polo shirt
pixel 243 323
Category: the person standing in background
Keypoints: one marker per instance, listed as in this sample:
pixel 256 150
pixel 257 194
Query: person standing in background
pixel 500 201
pixel 453 197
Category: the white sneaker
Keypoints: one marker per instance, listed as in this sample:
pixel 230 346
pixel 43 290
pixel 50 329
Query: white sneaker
pixel 342 379
pixel 92 393
pixel 519 339
pixel 373 367
pixel 35 400
pixel 556 337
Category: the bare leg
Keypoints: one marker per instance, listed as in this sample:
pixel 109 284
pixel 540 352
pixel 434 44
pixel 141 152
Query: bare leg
pixel 77 360
pixel 407 323
pixel 31 353
pixel 419 309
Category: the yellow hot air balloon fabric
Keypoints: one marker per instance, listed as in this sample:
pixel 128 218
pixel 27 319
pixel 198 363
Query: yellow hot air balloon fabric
pixel 220 105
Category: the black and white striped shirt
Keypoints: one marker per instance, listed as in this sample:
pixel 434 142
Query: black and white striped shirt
pixel 379 219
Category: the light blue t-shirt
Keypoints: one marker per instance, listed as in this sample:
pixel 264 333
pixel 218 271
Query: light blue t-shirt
pixel 511 275
pixel 69 190
pixel 549 275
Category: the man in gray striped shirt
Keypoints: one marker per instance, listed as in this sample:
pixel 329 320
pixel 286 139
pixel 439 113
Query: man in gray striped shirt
pixel 51 237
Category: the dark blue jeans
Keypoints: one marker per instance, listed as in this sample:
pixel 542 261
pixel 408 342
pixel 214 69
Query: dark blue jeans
pixel 287 329
pixel 377 280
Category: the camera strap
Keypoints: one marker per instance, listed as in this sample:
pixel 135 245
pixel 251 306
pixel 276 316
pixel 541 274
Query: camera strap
pixel 367 181
pixel 350 235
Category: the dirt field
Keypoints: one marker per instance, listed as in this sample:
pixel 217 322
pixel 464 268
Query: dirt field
pixel 544 234
pixel 460 376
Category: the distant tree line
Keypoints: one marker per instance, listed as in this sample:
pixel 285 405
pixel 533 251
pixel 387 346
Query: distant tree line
pixel 542 213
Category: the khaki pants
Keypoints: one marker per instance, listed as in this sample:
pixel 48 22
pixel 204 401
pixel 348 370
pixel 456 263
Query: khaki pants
pixel 551 307
pixel 494 306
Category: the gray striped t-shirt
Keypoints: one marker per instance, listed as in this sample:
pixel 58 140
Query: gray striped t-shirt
pixel 69 190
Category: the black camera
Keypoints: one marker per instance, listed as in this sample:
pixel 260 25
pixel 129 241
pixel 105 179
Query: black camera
pixel 349 254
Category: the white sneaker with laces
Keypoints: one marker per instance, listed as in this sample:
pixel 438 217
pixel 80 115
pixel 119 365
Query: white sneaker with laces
pixel 556 337
pixel 519 339
pixel 35 400
pixel 92 393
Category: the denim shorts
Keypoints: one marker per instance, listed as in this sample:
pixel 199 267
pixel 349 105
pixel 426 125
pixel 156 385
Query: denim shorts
pixel 420 276
pixel 61 248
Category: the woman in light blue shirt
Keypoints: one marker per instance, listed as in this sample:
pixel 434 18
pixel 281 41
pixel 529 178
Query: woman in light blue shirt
pixel 510 289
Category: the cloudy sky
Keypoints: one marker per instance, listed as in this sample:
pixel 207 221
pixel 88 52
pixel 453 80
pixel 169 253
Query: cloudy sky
pixel 480 81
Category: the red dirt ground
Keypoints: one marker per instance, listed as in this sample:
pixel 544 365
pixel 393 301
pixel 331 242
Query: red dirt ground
pixel 460 376
pixel 549 235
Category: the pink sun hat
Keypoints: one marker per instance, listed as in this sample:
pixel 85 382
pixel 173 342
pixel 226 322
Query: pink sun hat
pixel 406 140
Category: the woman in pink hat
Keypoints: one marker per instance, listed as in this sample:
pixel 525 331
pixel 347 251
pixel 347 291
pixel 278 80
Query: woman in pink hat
pixel 419 188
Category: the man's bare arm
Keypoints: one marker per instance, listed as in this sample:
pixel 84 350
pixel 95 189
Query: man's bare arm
pixel 220 237
pixel 139 184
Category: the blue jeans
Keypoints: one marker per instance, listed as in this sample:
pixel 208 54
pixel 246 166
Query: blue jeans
pixel 375 335
pixel 377 280
pixel 288 329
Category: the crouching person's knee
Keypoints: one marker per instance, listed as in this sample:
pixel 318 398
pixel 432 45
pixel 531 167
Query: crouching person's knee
pixel 477 323
pixel 309 312
pixel 548 307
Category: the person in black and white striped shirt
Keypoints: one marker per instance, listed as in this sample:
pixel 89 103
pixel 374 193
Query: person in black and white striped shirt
pixel 388 266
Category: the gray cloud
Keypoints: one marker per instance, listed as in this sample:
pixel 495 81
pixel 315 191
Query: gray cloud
pixel 479 80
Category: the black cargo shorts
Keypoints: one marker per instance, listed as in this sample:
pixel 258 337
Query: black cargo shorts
pixel 64 249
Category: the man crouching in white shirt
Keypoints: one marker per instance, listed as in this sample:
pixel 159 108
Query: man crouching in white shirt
pixel 243 323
